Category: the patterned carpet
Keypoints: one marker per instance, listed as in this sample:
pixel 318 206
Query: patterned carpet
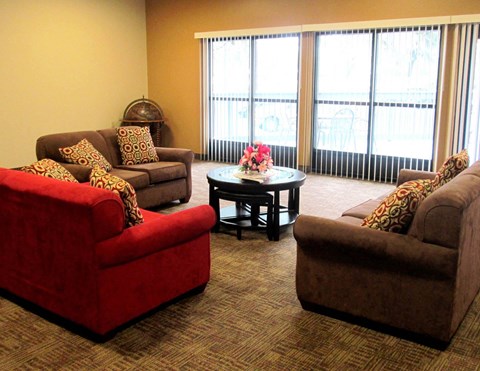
pixel 248 318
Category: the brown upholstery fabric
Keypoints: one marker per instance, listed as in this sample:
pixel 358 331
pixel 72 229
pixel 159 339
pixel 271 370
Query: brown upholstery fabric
pixel 48 145
pixel 170 191
pixel 110 137
pixel 351 220
pixel 81 173
pixel 362 210
pixel 181 155
pixel 160 171
pixel 138 179
pixel 406 174
pixel 438 219
pixel 422 282
pixel 155 183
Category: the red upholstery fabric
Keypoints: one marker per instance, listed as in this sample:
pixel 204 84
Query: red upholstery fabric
pixel 158 232
pixel 64 248
pixel 127 290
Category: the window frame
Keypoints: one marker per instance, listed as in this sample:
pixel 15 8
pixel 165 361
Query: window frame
pixel 230 150
pixel 345 163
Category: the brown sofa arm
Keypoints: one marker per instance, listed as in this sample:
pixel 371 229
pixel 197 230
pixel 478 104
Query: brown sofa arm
pixel 179 155
pixel 406 174
pixel 175 154
pixel 332 240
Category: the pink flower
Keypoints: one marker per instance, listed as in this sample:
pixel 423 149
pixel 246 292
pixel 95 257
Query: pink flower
pixel 256 158
pixel 264 150
pixel 248 150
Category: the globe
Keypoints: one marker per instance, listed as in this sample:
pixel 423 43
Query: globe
pixel 143 110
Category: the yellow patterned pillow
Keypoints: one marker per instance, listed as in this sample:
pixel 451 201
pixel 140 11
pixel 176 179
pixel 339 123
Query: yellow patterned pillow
pixel 136 145
pixel 84 153
pixel 396 211
pixel 452 166
pixel 101 179
pixel 50 169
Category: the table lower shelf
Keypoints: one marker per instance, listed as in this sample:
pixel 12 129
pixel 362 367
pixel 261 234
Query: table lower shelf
pixel 240 218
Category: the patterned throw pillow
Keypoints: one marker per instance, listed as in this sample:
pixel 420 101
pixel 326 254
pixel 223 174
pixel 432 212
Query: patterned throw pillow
pixel 452 166
pixel 84 153
pixel 136 145
pixel 396 211
pixel 50 169
pixel 101 179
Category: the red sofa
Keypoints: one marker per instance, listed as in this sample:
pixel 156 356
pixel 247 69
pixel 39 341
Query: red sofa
pixel 64 248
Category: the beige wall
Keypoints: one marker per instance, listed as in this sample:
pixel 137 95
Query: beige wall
pixel 66 65
pixel 173 53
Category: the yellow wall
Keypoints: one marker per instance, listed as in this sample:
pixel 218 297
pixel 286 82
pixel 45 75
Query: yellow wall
pixel 69 65
pixel 66 65
pixel 174 54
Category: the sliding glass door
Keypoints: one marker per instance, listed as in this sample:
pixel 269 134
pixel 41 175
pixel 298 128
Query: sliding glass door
pixel 375 100
pixel 471 100
pixel 472 140
pixel 253 95
pixel 342 101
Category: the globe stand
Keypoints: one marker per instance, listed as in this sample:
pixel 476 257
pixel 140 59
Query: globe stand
pixel 145 112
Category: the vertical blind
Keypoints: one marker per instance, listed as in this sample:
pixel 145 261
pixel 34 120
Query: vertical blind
pixel 375 101
pixel 466 123
pixel 250 93
pixel 371 105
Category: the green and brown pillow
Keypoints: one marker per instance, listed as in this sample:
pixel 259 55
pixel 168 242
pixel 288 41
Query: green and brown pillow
pixel 84 153
pixel 99 178
pixel 136 145
pixel 396 211
pixel 452 166
pixel 49 169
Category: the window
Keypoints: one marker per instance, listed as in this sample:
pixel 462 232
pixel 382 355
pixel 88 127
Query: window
pixel 473 124
pixel 369 95
pixel 375 101
pixel 342 91
pixel 252 90
pixel 472 117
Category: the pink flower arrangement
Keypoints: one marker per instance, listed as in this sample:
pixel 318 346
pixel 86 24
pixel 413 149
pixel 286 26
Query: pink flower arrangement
pixel 256 158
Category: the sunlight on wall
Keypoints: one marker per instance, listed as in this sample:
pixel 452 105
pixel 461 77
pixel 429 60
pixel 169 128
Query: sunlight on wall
pixel 67 65
pixel 173 53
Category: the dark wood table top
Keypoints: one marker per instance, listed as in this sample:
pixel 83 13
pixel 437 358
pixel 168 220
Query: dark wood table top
pixel 281 178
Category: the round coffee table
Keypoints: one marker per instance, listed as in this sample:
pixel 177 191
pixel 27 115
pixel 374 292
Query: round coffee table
pixel 250 195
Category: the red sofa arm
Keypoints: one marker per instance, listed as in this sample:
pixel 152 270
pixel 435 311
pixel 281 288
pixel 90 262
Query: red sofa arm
pixel 157 233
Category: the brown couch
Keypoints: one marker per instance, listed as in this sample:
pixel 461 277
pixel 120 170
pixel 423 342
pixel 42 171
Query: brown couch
pixel 155 183
pixel 420 283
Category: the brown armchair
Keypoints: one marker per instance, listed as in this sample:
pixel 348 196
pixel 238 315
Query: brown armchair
pixel 420 283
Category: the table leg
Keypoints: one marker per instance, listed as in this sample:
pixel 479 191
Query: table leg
pixel 297 201
pixel 294 200
pixel 254 213
pixel 215 204
pixel 276 216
